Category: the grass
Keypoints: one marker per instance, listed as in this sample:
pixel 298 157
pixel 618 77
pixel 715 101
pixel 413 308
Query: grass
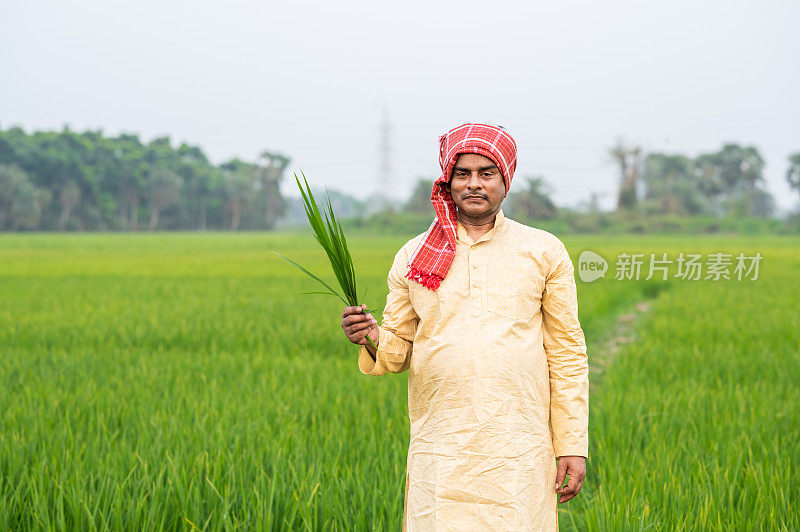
pixel 178 382
pixel 695 425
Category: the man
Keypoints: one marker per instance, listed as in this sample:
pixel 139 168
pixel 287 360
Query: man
pixel 482 311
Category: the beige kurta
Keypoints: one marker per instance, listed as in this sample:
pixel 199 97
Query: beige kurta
pixel 497 384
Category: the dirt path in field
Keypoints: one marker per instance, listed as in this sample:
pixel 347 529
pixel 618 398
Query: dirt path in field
pixel 603 353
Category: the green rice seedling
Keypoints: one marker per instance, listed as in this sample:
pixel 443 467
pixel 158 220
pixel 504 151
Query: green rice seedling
pixel 330 235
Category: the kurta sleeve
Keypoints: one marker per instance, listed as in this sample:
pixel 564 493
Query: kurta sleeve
pixel 565 347
pixel 399 325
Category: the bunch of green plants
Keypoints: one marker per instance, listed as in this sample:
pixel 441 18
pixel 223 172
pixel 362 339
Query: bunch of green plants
pixel 327 229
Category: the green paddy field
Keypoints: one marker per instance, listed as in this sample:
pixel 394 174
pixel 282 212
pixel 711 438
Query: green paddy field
pixel 179 382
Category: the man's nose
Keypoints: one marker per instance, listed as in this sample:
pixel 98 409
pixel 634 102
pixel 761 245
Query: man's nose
pixel 474 182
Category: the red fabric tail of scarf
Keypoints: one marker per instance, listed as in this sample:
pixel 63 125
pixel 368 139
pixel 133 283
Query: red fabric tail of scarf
pixel 429 281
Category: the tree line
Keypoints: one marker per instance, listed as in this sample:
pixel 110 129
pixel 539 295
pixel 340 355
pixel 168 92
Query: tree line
pixel 727 182
pixel 65 180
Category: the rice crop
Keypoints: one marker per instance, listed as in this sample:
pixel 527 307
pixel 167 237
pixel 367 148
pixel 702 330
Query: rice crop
pixel 328 232
pixel 178 382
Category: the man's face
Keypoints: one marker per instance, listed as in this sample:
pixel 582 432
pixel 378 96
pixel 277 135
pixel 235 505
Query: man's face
pixel 476 185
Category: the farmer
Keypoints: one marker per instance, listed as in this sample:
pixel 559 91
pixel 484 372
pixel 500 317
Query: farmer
pixel 482 311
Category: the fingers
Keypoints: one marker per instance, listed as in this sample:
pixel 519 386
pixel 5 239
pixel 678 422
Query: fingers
pixel 353 310
pixel 355 319
pixel 562 472
pixel 576 473
pixel 571 489
pixel 358 336
pixel 356 324
pixel 361 337
pixel 358 327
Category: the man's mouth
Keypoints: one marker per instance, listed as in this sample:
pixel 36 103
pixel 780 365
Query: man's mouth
pixel 474 197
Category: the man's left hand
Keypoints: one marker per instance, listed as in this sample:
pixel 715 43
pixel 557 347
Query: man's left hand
pixel 575 467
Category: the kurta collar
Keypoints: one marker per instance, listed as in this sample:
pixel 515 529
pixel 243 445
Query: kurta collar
pixel 464 238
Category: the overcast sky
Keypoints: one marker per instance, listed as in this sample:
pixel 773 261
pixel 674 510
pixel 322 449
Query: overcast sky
pixel 311 80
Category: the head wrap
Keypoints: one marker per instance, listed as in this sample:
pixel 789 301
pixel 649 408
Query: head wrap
pixel 432 258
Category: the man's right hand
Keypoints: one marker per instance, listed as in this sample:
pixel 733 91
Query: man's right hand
pixel 357 325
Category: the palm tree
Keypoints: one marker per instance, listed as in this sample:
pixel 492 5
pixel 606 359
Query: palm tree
pixel 533 200
pixel 270 174
pixel 629 159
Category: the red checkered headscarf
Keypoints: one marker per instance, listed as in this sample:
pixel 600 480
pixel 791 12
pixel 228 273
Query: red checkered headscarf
pixel 432 258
